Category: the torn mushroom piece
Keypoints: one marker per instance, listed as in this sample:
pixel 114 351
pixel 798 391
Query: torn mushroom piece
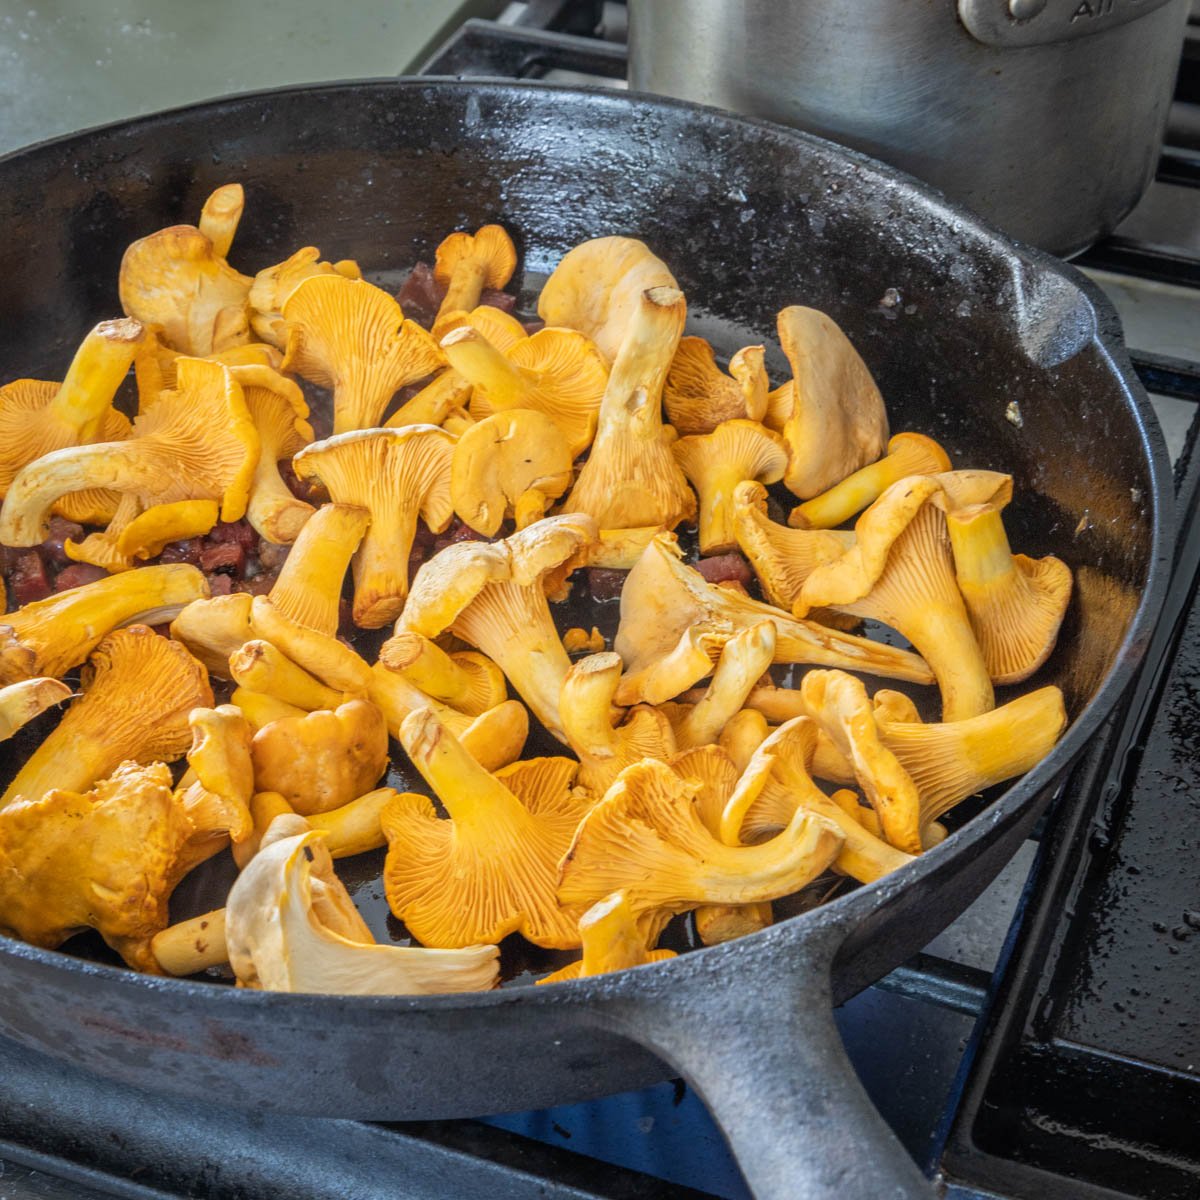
pixel 21 702
pixel 777 782
pixel 716 463
pixel 37 417
pixel 674 623
pixel 908 454
pixel 138 689
pixel 494 596
pixel 597 287
pixel 699 396
pixel 557 372
pixel 491 868
pixel 197 443
pixel 631 477
pixel 397 474
pixel 900 571
pixel 831 414
pixel 324 759
pixel 509 464
pixel 782 558
pixel 279 411
pixel 1016 603
pixel 273 285
pixel 104 857
pixel 352 337
pixel 611 942
pixel 586 710
pixel 216 790
pixel 290 926
pixel 647 838
pixel 467 264
pixel 50 636
pixel 178 279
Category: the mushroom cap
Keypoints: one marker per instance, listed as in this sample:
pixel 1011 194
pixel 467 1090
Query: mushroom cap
pixel 501 329
pixel 273 285
pixel 277 407
pixel 489 250
pixel 597 287
pixel 611 942
pixel 699 396
pixel 348 335
pixel 489 870
pixel 176 280
pixel 211 628
pixel 501 458
pixel 291 926
pixel 103 859
pixel 152 530
pixel 219 758
pixel 322 760
pixel 837 421
pixel 396 474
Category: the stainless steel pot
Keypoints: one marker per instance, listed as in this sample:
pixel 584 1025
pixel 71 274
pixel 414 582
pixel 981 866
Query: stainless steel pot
pixel 1045 116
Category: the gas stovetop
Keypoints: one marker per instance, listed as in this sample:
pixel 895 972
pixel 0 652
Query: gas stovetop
pixel 1047 1046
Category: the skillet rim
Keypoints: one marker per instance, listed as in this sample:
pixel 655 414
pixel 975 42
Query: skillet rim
pixel 841 915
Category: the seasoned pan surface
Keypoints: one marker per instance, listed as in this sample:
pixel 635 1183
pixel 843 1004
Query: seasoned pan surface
pixel 1010 360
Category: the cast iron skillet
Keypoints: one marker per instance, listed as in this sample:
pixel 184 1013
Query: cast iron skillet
pixel 751 217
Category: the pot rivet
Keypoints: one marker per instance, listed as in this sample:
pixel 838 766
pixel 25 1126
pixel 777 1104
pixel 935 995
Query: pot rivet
pixel 1025 10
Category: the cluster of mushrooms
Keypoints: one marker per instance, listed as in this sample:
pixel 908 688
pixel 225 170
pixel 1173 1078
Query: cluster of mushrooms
pixel 695 782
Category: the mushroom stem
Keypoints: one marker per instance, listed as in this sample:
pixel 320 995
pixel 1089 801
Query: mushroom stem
pixel 259 709
pixel 97 370
pixel 354 828
pixel 908 454
pixel 192 946
pixel 482 365
pixel 466 285
pixel 433 403
pixel 744 732
pixel 309 586
pixel 429 667
pixel 272 509
pixel 611 940
pixel 585 705
pixel 717 923
pixel 259 667
pixel 982 555
pixel 220 216
pixel 21 702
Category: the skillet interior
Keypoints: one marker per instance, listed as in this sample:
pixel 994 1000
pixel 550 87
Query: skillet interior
pixel 750 218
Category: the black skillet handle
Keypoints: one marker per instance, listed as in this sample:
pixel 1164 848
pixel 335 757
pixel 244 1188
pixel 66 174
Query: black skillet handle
pixel 760 1047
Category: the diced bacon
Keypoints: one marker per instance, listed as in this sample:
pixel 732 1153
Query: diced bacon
pixel 226 557
pixel 605 584
pixel 186 551
pixel 497 299
pixel 421 295
pixel 220 585
pixel 61 531
pixel 77 574
pixel 271 556
pixel 240 532
pixel 722 567
pixel 534 326
pixel 29 580
pixel 261 584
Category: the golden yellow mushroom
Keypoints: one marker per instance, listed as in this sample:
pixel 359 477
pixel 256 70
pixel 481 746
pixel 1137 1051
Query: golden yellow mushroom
pixel 273 285
pixel 631 477
pixel 398 475
pixel 466 680
pixel 138 689
pixel 831 414
pixel 21 702
pixel 491 868
pixel 597 286
pixel 611 942
pixel 699 396
pixel 467 263
pixel 352 337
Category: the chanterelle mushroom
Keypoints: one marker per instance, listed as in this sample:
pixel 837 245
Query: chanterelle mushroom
pixel 138 689
pixel 674 623
pixel 290 926
pixel 178 279
pixel 322 760
pixel 699 396
pixel 832 418
pixel 899 571
pixel 611 942
pixel 105 858
pixel 274 285
pixel 466 680
pixel 631 477
pixel 555 371
pixel 598 285
pixel 21 702
pixel 908 454
pixel 490 870
pixel 511 463
pixel 37 417
pixel 279 411
pixel 717 462
pixel 396 474
pixel 467 263
pixel 349 335
pixel 50 636
pixel 493 595
pixel 647 838
pixel 196 443
pixel 1016 603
